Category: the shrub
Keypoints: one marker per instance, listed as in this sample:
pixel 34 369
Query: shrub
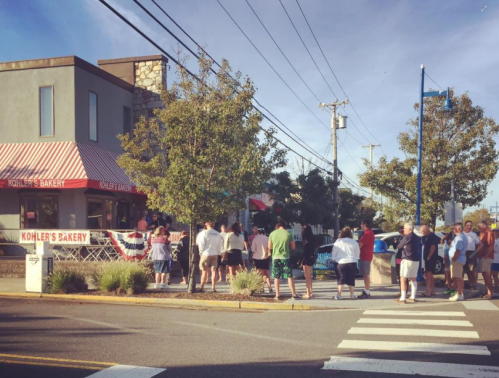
pixel 65 280
pixel 121 277
pixel 246 282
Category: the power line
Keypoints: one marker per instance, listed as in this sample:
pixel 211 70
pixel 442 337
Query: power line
pixel 270 65
pixel 309 149
pixel 284 55
pixel 332 71
pixel 199 80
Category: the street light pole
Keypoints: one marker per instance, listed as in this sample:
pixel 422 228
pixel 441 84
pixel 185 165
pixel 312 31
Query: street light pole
pixel 447 107
pixel 336 183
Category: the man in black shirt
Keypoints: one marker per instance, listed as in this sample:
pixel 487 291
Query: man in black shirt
pixel 409 245
pixel 430 253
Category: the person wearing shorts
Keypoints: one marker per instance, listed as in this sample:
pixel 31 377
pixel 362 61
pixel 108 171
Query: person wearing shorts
pixel 366 244
pixel 430 254
pixel 409 264
pixel 280 242
pixel 485 251
pixel 161 255
pixel 471 255
pixel 261 256
pixel 457 256
pixel 210 246
pixel 346 253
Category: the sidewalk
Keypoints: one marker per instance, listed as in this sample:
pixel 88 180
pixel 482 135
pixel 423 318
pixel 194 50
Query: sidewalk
pixel 382 296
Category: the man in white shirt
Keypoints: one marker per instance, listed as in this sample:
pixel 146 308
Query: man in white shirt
pixel 210 244
pixel 471 255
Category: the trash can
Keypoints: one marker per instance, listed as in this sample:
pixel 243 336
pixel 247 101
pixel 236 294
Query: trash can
pixel 382 272
pixel 38 267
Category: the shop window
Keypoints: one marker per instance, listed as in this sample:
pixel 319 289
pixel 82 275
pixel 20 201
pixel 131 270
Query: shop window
pixel 39 212
pixel 100 214
pixel 123 210
pixel 92 116
pixel 46 111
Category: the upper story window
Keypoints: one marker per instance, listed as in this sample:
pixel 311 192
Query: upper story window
pixel 92 116
pixel 46 111
pixel 127 120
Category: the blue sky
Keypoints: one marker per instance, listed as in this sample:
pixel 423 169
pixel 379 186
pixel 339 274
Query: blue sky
pixel 375 48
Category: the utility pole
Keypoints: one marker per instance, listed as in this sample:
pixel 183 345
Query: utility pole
pixel 371 148
pixel 336 183
pixel 494 207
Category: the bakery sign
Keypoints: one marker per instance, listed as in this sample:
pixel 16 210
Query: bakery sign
pixel 58 237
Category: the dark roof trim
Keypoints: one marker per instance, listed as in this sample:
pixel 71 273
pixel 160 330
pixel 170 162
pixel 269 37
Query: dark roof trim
pixel 65 61
pixel 134 59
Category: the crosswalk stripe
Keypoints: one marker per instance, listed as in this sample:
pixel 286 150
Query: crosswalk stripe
pixel 127 371
pixel 413 332
pixel 415 347
pixel 449 323
pixel 480 305
pixel 416 313
pixel 435 369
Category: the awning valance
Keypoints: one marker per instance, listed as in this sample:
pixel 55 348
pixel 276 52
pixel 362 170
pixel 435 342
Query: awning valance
pixel 61 165
pixel 256 205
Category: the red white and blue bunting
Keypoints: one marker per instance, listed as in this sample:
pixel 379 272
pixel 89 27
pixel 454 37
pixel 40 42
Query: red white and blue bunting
pixel 131 245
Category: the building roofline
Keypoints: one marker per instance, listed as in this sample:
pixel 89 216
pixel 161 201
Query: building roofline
pixel 64 61
pixel 134 59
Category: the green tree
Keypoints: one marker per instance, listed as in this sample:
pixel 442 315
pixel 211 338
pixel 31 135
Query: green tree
pixel 203 154
pixel 459 146
pixel 476 216
pixel 354 208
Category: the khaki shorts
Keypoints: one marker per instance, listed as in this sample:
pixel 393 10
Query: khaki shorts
pixel 484 265
pixel 409 269
pixel 206 262
pixel 456 269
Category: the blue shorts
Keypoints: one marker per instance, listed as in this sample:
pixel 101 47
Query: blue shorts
pixel 495 267
pixel 161 266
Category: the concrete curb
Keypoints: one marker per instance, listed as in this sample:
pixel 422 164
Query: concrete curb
pixel 172 302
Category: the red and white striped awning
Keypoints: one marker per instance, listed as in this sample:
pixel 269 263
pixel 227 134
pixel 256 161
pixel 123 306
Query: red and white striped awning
pixel 61 165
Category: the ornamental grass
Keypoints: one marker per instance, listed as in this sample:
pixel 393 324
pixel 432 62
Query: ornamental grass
pixel 66 280
pixel 121 277
pixel 246 282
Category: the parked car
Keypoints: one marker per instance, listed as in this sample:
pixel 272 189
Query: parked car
pixel 392 238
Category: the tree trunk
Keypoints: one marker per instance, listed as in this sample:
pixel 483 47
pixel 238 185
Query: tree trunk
pixel 192 257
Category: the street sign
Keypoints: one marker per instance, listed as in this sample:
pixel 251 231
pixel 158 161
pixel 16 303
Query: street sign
pixel 449 220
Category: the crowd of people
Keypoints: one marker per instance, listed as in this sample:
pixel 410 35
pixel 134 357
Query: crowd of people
pixel 232 249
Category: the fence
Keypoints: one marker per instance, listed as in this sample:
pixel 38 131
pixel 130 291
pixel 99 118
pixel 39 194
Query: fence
pixel 99 247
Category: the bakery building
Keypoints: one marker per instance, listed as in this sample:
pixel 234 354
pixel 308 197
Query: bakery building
pixel 58 140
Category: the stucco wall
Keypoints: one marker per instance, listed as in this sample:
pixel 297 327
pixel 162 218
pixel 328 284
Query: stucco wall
pixel 19 104
pixel 111 100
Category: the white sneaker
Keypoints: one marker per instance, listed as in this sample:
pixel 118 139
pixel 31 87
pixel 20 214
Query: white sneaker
pixel 457 298
pixel 163 286
pixel 337 297
pixel 157 286
pixel 352 296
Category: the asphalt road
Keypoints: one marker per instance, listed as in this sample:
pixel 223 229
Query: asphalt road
pixel 60 339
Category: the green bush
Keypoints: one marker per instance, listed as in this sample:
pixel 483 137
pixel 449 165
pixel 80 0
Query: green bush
pixel 246 282
pixel 122 277
pixel 65 280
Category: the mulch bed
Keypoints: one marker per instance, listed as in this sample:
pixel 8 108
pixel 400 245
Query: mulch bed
pixel 198 296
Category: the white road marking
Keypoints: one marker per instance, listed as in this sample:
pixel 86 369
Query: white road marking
pixel 415 313
pixel 413 332
pixel 434 369
pixel 127 371
pixel 480 305
pixel 415 347
pixel 449 323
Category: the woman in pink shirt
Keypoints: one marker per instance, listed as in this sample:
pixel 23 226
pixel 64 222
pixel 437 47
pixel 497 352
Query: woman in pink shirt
pixel 261 256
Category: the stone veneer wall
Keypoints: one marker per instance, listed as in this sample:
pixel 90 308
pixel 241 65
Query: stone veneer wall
pixel 150 78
